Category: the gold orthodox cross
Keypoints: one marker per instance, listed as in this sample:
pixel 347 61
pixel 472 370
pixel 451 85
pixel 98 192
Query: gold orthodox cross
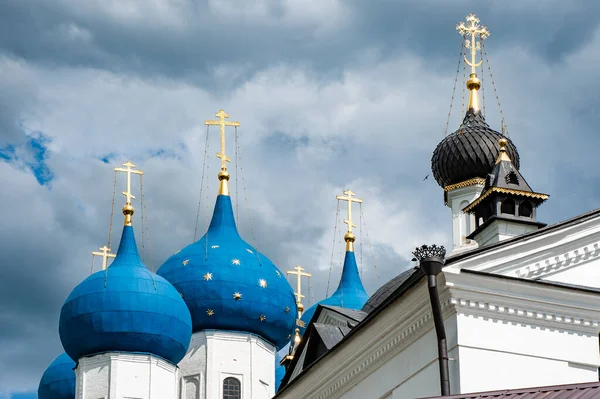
pixel 474 30
pixel 105 254
pixel 349 197
pixel 299 273
pixel 129 169
pixel 222 123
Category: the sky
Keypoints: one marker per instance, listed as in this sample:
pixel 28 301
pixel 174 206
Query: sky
pixel 330 95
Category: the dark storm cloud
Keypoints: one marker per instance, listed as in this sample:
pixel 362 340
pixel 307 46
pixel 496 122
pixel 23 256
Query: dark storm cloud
pixel 200 38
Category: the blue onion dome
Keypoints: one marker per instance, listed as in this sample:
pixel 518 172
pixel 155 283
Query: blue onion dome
pixel 228 285
pixel 125 308
pixel 58 381
pixel 350 293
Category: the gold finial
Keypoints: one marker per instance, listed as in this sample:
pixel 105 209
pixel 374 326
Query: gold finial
pixel 503 156
pixel 223 174
pixel 349 237
pixel 471 31
pixel 105 254
pixel 128 208
pixel 299 273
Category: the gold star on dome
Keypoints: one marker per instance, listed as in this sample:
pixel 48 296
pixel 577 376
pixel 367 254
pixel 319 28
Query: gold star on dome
pixel 289 336
pixel 249 250
pixel 236 262
pixel 215 246
pixel 287 309
pixel 208 276
pixel 185 262
pixel 237 296
pixel 278 274
pixel 263 283
pixel 177 252
pixel 210 312
pixel 181 294
pixel 263 317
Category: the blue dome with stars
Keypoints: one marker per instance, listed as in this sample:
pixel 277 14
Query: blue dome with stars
pixel 125 308
pixel 350 294
pixel 228 285
pixel 58 381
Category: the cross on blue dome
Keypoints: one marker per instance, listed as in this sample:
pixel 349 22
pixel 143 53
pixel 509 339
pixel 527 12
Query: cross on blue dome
pixel 58 381
pixel 350 293
pixel 228 285
pixel 125 308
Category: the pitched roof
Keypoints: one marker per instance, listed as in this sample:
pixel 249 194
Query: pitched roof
pixel 505 178
pixel 572 391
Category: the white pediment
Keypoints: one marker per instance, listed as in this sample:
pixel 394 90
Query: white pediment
pixel 567 252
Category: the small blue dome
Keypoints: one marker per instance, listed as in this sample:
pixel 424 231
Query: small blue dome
pixel 58 381
pixel 125 308
pixel 350 294
pixel 228 285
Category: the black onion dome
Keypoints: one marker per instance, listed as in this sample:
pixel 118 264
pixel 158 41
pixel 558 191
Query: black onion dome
pixel 469 152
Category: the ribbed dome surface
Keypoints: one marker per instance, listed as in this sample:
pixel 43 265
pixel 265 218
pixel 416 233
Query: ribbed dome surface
pixel 58 381
pixel 125 308
pixel 350 294
pixel 228 285
pixel 469 152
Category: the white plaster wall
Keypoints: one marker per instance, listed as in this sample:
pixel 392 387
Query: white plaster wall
pixel 215 355
pixel 463 224
pixel 586 274
pixel 192 369
pixel 125 375
pixel 412 373
pixel 495 354
pixel 500 230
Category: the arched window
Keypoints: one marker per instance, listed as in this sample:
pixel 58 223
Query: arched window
pixel 525 209
pixel 232 388
pixel 508 206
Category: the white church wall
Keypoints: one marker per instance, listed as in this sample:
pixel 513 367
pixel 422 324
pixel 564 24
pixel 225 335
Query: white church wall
pixel 500 354
pixel 126 375
pixel 389 357
pixel 586 273
pixel 214 356
pixel 413 372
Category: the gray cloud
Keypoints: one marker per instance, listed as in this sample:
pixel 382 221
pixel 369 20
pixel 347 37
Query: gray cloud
pixel 330 95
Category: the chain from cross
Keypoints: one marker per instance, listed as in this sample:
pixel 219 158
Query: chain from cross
pixel 129 169
pixel 474 30
pixel 299 272
pixel 349 196
pixel 222 123
pixel 105 254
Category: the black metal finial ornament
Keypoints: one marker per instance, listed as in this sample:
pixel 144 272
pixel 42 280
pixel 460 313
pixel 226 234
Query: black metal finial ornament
pixel 429 251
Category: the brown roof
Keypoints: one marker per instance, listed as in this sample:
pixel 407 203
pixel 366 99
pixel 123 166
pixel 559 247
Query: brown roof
pixel 573 391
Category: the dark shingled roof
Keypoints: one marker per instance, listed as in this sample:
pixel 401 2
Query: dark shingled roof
pixel 388 289
pixel 469 152
pixel 573 391
pixel 331 335
pixel 356 315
